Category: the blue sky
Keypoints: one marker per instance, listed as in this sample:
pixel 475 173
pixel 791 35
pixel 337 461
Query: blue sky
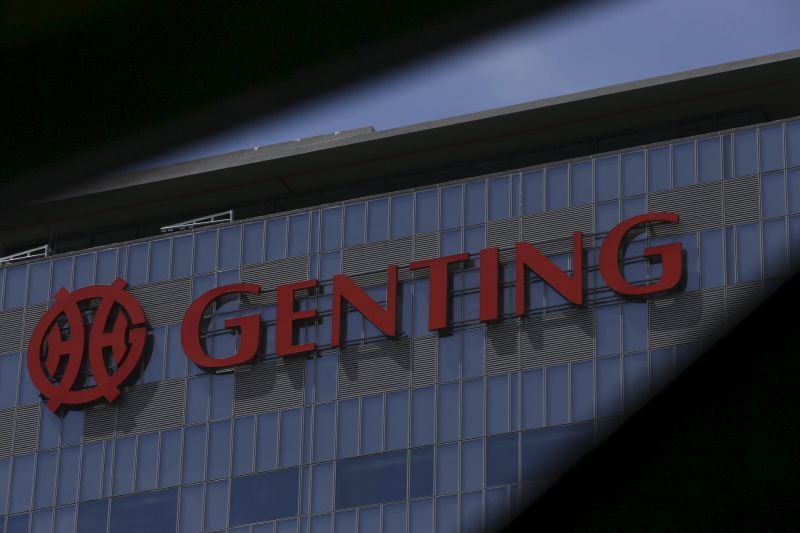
pixel 596 45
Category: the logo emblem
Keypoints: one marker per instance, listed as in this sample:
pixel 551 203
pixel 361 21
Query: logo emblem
pixel 114 343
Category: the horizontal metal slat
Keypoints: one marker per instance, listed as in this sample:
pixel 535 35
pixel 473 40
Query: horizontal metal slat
pixel 742 200
pixel 699 208
pixel 557 337
pixel 164 303
pixel 376 256
pixel 687 317
pixel 152 406
pixel 423 361
pixel 26 429
pixel 375 367
pixel 269 385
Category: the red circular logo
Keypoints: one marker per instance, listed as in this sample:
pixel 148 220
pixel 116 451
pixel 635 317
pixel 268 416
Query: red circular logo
pixel 114 342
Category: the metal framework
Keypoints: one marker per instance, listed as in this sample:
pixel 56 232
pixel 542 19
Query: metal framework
pixel 33 253
pixel 216 218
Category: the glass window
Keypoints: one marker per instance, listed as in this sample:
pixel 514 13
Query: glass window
pixel 472 465
pixel 354 224
pixel 683 164
pixel 532 399
pixel 266 440
pixel 771 144
pixel 155 366
pixel 447 468
pixel 711 259
pixel 447 513
pixel 451 207
pixel 137 265
pixel 421 472
pixel 243 436
pixel 321 491
pixel 499 198
pixel 181 256
pixel 421 516
pixel 298 234
pixel 276 239
pixel 45 479
pixel 14 293
pixel 793 144
pixel 708 159
pixel 90 470
pixel 191 509
pixel 546 452
pixel 608 324
pixel 371 479
pixel 324 418
pixel 533 192
pixel 124 450
pixel 219 445
pixel 154 512
pixel 197 395
pixel 253 243
pixel 662 367
pixel 205 252
pixel 331 228
pixel 582 391
pixel 658 169
pixel 377 220
pixel 221 395
pixel 92 517
pixel 397 420
pixel 557 395
pixel 289 452
pixel 607 178
pixel 472 408
pixel 146 461
pixel 744 152
pixel 449 357
pixel 422 415
pixel 265 496
pixel 608 387
pixel 230 242
pixel 169 462
pixel 474 202
pixel 606 216
pixel 348 428
pixel 748 252
pixel 775 248
pixel 84 270
pixel 581 182
pixel 634 326
pixel 159 261
pixel 9 377
pixel 501 459
pixel 773 196
pixel 106 267
pixel 636 382
pixel 794 190
pixel 557 188
pixel 633 181
pixel 194 454
pixel 497 404
pixel 394 518
pixel 427 211
pixel 402 207
pixel 448 412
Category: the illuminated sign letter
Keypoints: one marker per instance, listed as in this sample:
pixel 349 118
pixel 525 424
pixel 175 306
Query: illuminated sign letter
pixel 249 327
pixel 671 257
pixel 287 316
pixel 570 287
pixel 439 268
pixel 383 319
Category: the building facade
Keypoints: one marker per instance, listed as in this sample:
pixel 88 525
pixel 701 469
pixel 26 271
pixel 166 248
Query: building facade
pixel 447 430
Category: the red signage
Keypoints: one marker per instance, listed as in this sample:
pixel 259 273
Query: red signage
pixel 126 338
pixel 118 327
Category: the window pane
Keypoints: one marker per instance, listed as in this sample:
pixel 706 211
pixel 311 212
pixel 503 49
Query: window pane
pixel 194 454
pixel 422 416
pixel 633 174
pixel 497 404
pixel 608 387
pixel 557 395
pixel 354 224
pixel 532 399
pixel 421 472
pixel 377 220
pixel 501 460
pixel 276 239
pixel 84 268
pixel 793 144
pixel 608 324
pixel 748 251
pixel 427 211
pixel 324 417
pixel 794 190
pixel 146 461
pixel 266 441
pixel 38 283
pixel 451 207
pixel 634 326
pixel 396 420
pixel 472 408
pixel 371 479
pixel 14 293
pixel 219 445
pixel 744 153
pixel 265 496
pixel 773 195
pixel 474 203
pixel 606 180
pixel 708 159
pixel 124 450
pixel 289 451
pixel 182 256
pixel 636 383
pixel 658 169
pixel 683 164
pixel 557 188
pixel 401 216
pixel 447 468
pixel 253 243
pixel 547 452
pixel 499 198
pixel 533 192
pixel 169 462
pixel 775 249
pixel 159 260
pixel 230 242
pixel 448 412
pixel 581 183
pixel 106 267
pixel 137 265
pixel 348 428
pixel 298 234
pixel 582 391
pixel 771 144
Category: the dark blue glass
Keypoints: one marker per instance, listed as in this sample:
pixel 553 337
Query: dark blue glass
pixel 216 508
pixel 68 462
pixel 606 216
pixel 472 511
pixel 21 484
pixel 472 465
pixel 347 442
pixel 394 518
pixel 276 239
pixel 194 454
pixel 421 472
pixel 427 211
pixel 298 234
pixel 501 459
pixel 447 513
pixel 658 169
pixel 794 190
pixel 14 293
pixel 744 153
pixel 9 377
pixel 371 424
pixel 169 462
pixel 533 192
pixel 371 479
pixel 448 412
pixel 324 432
pixel 472 408
pixel 322 488
pixel 532 399
pixel 326 370
pixel 18 523
pixel 447 468
pixel 608 387
pixel 582 391
pixel 775 248
pixel 331 228
pixel 557 395
pixel 191 509
pixel 450 242
pixel 683 169
pixel 771 148
pixel 474 202
pixel 748 252
pixel 289 451
pixel 230 246
pixel 329 265
pixel 253 243
pixel 124 450
pixel 154 370
pixel 402 216
pixel 90 471
pixel 499 192
pixel 422 416
pixel 219 449
pixel 635 383
pixel 474 239
pixel 633 174
pixel 181 256
pixel 449 357
pixel 708 159
pixel 93 517
pixel 41 521
pixel 396 420
pixel 266 440
pixel 547 452
pixel 634 326
pixel 421 516
pixel 793 144
pixel 557 188
pixel 451 207
pixel 4 472
pixel 205 252
pixel 137 266
pixel 159 262
pixel 727 157
pixel 377 220
pixel 45 479
pixel 106 269
pixel 581 183
pixel 345 522
pixel 354 224
pixel 221 396
pixel 497 404
pixel 38 282
pixel 608 332
pixel 243 438
pixel 606 178
pixel 773 195
pixel 662 367
pixel 154 512
pixel 712 259
pixel 176 359
pixel 197 395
